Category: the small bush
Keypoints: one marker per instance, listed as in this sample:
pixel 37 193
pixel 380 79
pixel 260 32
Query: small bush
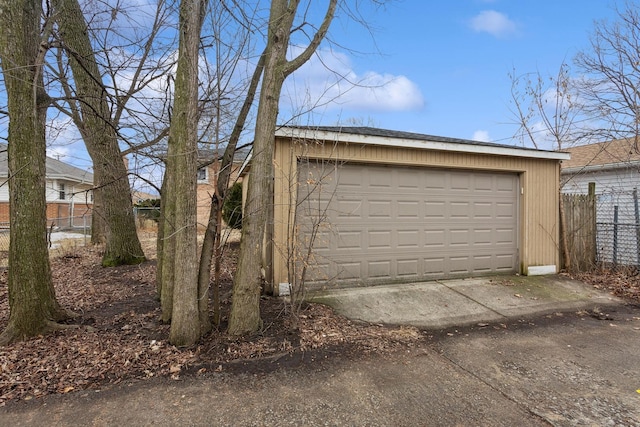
pixel 232 208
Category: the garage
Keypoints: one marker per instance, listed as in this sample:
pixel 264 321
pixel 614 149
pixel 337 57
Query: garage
pixel 375 223
pixel 362 206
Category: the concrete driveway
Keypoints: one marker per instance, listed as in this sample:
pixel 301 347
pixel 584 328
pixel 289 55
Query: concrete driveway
pixel 447 303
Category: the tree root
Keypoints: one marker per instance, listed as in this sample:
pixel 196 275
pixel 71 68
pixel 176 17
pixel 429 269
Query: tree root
pixel 11 335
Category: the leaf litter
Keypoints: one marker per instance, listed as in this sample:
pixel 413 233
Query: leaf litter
pixel 118 336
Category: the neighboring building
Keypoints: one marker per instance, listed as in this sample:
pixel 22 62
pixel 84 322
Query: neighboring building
pixel 138 197
pixel 385 206
pixel 207 180
pixel 614 167
pixel 68 192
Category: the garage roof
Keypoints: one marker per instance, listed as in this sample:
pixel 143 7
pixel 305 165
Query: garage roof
pixel 394 138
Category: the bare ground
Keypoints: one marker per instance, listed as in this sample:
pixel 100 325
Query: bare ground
pixel 120 338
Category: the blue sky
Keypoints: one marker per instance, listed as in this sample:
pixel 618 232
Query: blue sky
pixel 438 67
pixel 448 62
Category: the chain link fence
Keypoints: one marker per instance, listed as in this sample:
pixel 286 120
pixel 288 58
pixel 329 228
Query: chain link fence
pixel 618 228
pixel 57 228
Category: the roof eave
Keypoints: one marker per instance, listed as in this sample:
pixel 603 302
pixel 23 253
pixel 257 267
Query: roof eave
pixel 598 168
pixel 345 136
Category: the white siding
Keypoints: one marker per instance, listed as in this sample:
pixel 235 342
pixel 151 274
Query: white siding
pixel 606 181
pixel 79 191
pixel 4 191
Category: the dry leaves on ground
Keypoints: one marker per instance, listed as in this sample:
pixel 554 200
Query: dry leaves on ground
pixel 621 283
pixel 119 338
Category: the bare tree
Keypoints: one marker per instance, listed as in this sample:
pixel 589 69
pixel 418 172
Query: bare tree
pixel 550 116
pixel 93 119
pixel 33 305
pixel 245 309
pixel 611 66
pixel 548 110
pixel 180 282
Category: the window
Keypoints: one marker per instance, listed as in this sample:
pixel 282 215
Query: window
pixel 61 191
pixel 203 175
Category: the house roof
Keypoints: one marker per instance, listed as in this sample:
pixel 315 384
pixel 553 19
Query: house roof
pixel 208 155
pixel 375 136
pixel 55 169
pixel 619 153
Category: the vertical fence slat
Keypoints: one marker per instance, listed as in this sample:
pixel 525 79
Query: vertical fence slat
pixel 579 215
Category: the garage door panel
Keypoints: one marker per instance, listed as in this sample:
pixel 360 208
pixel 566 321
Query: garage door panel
pixel 408 209
pixel 460 182
pixel 505 236
pixel 483 184
pixel 459 210
pixel 379 269
pixel 408 239
pixel 459 237
pixel 400 224
pixel 435 209
pixel 380 239
pixel 380 208
pixel 506 210
pixel 483 210
pixel 505 184
pixel 408 268
pixel 349 270
pixel 459 265
pixel 435 239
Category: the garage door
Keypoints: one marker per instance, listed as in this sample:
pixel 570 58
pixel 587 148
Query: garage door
pixel 397 224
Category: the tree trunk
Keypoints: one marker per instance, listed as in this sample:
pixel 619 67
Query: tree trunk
pixel 245 307
pixel 212 241
pixel 166 257
pixel 98 222
pixel 98 131
pixel 186 326
pixel 32 301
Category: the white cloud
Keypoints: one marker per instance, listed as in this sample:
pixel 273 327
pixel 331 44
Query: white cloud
pixel 481 135
pixel 329 79
pixel 65 143
pixel 495 23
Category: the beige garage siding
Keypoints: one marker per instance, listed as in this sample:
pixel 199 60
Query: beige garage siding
pixel 373 223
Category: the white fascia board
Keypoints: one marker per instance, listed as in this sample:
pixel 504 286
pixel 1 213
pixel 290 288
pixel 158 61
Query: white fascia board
pixel 69 178
pixel 321 135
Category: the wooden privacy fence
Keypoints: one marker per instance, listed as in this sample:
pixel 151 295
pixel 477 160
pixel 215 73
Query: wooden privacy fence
pixel 580 230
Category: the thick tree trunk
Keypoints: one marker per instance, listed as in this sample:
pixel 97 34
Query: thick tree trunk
pixel 245 307
pixel 110 173
pixel 32 302
pixel 166 258
pixel 186 326
pixel 98 221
